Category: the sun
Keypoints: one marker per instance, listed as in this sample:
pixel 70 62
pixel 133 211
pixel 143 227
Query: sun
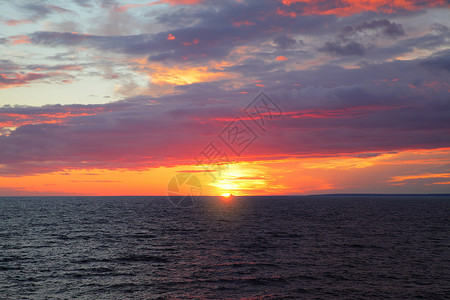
pixel 227 197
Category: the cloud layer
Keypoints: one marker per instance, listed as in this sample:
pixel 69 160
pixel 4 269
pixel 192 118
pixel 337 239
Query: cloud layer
pixel 350 79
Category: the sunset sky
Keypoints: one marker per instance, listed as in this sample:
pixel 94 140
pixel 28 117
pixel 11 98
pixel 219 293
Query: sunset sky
pixel 112 97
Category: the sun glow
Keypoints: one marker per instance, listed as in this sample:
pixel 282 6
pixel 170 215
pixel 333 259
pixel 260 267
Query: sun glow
pixel 239 179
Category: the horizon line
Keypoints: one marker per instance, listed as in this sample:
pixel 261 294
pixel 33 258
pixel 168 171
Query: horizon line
pixel 281 195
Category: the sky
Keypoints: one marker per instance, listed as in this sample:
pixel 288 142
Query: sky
pixel 252 97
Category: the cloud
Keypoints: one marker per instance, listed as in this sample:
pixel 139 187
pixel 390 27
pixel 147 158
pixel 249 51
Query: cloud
pixel 362 111
pixel 7 65
pixel 16 116
pixel 43 10
pixel 440 28
pixel 375 27
pixel 339 48
pixel 14 22
pixel 285 42
pixel 36 12
pixel 126 7
pixel 7 81
pixel 191 34
pixel 358 39
pixel 14 74
pixel 19 39
pixel 25 191
pixel 345 8
pixel 438 62
pixel 208 60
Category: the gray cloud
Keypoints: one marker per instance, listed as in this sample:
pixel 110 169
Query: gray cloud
pixel 340 48
pixel 358 39
pixel 438 62
pixel 204 34
pixel 382 27
pixel 285 42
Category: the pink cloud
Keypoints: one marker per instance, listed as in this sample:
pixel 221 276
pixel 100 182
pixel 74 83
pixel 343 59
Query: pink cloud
pixel 13 22
pixel 19 39
pixel 345 8
pixel 6 81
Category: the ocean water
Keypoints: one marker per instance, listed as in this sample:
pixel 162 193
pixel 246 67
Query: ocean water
pixel 311 247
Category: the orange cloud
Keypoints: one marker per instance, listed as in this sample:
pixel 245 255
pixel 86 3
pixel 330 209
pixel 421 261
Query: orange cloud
pixel 443 183
pixel 308 175
pixel 162 74
pixel 92 182
pixel 419 176
pixel 182 76
pixel 281 58
pixel 170 37
pixel 345 8
pixel 12 120
pixel 285 13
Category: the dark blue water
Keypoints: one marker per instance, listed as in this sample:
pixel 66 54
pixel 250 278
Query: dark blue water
pixel 330 247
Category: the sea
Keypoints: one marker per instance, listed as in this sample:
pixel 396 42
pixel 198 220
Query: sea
pixel 277 247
